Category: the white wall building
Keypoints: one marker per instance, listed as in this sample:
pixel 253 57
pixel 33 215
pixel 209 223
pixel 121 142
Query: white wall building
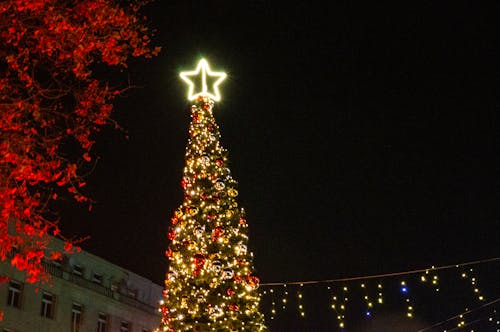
pixel 87 294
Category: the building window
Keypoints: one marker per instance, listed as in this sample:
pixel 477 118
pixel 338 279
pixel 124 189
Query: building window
pixel 78 270
pixel 48 305
pixel 124 326
pixel 56 262
pixel 14 296
pixel 97 278
pixel 102 322
pixel 76 317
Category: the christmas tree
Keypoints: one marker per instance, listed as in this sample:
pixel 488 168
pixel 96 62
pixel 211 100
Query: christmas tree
pixel 210 284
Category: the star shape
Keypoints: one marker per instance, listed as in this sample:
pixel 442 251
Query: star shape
pixel 200 75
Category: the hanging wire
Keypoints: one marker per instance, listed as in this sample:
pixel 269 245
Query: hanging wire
pixel 489 260
pixel 460 315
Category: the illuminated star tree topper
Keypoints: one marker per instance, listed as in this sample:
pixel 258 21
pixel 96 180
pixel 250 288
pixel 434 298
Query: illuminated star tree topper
pixel 199 77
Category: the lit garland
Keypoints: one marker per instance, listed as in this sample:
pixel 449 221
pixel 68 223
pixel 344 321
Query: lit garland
pixel 460 317
pixel 210 284
pixel 339 291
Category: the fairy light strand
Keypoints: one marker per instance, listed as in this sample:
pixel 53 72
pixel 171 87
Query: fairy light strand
pixel 468 324
pixel 450 319
pixel 428 276
pixel 375 276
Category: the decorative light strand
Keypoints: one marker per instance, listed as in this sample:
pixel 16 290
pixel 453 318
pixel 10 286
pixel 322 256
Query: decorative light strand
pixel 278 300
pixel 468 324
pixel 376 276
pixel 380 294
pixel 336 307
pixel 450 319
pixel 300 304
pixel 429 276
pixel 284 300
pixel 405 291
pixel 344 298
pixel 368 302
pixel 471 276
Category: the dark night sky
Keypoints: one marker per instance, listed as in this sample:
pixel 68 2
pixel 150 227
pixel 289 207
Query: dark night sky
pixel 364 137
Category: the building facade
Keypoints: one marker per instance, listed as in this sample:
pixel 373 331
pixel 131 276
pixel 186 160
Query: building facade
pixel 86 294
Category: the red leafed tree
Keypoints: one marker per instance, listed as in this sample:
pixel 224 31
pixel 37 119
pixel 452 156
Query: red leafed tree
pixel 51 99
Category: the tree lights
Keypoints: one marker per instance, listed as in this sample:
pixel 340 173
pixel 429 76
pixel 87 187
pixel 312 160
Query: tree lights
pixel 210 284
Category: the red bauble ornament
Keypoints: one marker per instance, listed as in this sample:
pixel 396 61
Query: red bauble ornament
pixel 234 307
pixel 171 235
pixel 184 182
pixel 174 220
pixel 243 221
pixel 199 261
pixel 230 291
pixel 168 253
pixel 217 233
pixel 253 281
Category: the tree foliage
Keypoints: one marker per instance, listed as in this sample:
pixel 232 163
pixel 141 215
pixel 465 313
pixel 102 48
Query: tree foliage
pixel 51 99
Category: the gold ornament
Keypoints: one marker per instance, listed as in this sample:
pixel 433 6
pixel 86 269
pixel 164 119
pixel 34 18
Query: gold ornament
pixel 193 211
pixel 204 160
pixel 219 185
pixel 184 300
pixel 232 192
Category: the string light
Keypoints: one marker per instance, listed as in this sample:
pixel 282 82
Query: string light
pixel 471 276
pixel 284 300
pixel 380 298
pixel 339 301
pixel 406 295
pixel 461 315
pixel 368 302
pixel 380 276
pixel 300 303
pixel 339 307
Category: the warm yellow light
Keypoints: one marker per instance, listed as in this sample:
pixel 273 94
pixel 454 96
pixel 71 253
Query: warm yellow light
pixel 200 75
